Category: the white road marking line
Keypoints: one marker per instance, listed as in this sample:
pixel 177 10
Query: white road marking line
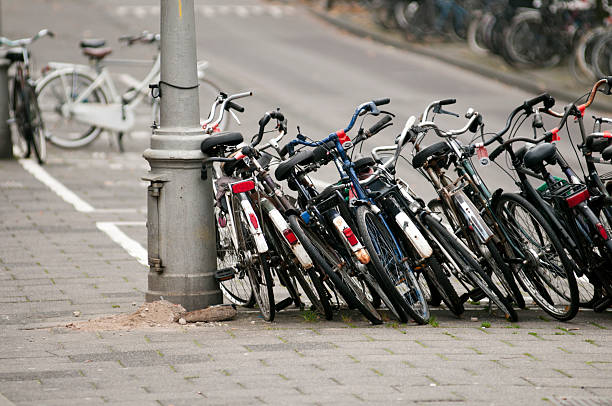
pixel 241 11
pixel 62 191
pixel 212 10
pixel 131 246
pixel 140 11
pixel 275 11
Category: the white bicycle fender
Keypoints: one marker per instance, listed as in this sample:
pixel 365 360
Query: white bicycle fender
pixel 260 240
pixel 413 234
pixel 298 250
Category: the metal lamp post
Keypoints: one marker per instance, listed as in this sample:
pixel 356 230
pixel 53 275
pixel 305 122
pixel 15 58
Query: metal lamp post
pixel 180 219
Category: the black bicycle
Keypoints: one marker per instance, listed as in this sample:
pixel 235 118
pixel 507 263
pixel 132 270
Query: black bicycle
pixel 24 105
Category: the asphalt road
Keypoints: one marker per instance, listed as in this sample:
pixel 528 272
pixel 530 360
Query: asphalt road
pixel 315 73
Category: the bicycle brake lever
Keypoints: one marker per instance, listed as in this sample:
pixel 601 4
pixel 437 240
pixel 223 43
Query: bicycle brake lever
pixel 439 110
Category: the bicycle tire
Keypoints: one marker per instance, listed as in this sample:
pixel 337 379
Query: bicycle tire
pixel 53 91
pixel 440 281
pixel 258 269
pixel 470 268
pixel 398 282
pixel 532 276
pixel 307 279
pixel 237 289
pixel 353 296
pixel 504 274
pixel 21 140
pixel 36 125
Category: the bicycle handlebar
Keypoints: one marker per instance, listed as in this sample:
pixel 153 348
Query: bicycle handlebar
pixel 26 41
pixel 527 107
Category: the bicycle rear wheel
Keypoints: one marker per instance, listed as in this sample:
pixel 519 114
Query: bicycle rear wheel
pixel 548 274
pixel 395 277
pixel 55 92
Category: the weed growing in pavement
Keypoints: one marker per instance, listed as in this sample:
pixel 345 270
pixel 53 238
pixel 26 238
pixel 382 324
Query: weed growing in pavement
pixel 433 322
pixel 310 316
pixel 485 324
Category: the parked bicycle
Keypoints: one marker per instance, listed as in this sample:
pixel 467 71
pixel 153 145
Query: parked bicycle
pixel 26 114
pixel 80 101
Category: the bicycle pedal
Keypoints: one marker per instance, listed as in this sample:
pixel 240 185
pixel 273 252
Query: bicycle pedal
pixel 283 304
pixel 602 305
pixel 225 274
pixel 476 294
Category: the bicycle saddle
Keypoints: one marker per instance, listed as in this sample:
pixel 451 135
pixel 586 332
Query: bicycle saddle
pixel 213 144
pixel 92 43
pixel 97 53
pixel 535 157
pixel 520 153
pixel 283 170
pixel 437 149
pixel 363 163
pixel 606 154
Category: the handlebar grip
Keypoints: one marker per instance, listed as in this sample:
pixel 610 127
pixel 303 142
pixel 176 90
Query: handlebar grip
pixel 496 152
pixel 320 154
pixel 235 106
pixel 380 102
pixel 277 115
pixel 378 126
pixel 545 97
pixel 447 101
pixel 264 120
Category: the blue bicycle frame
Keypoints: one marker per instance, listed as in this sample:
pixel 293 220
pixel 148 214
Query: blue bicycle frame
pixel 347 164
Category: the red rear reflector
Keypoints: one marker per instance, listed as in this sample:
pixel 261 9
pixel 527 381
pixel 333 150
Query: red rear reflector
pixel 348 233
pixel 602 231
pixel 290 236
pixel 607 134
pixel 253 219
pixel 242 187
pixel 577 198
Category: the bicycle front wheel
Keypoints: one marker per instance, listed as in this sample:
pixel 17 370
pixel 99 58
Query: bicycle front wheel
pixel 258 269
pixel 331 264
pixel 395 277
pixel 55 92
pixel 548 274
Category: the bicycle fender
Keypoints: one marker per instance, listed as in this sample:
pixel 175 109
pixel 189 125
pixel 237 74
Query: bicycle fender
pixel 254 226
pixel 413 234
pixel 470 213
pixel 282 226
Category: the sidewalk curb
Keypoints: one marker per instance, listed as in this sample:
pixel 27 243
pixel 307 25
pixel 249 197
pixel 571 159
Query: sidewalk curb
pixel 508 78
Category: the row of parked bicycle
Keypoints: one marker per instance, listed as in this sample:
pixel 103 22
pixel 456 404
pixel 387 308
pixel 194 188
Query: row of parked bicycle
pixel 525 33
pixel 369 240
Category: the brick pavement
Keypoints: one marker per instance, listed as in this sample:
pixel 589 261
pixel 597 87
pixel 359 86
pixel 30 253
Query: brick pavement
pixel 54 261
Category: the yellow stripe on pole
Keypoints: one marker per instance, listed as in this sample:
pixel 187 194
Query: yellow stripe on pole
pixel 180 9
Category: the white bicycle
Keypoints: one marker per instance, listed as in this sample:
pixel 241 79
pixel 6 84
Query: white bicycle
pixel 79 101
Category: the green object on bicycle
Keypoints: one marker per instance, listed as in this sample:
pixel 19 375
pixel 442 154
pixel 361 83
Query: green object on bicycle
pixel 544 186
